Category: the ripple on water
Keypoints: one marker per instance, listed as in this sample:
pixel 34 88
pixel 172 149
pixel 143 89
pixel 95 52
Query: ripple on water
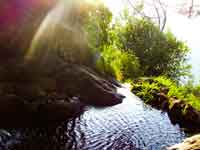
pixel 131 125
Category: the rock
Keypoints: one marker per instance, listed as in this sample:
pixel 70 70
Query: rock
pixel 13 112
pixel 57 112
pixel 192 117
pixel 16 113
pixel 185 115
pixel 164 90
pixel 175 111
pixel 53 106
pixel 161 100
pixel 192 143
pixel 81 81
pixel 114 82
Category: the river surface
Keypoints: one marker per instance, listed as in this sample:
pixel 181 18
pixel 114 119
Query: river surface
pixel 131 125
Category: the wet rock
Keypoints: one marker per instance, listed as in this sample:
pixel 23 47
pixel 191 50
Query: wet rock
pixel 114 82
pixel 192 143
pixel 13 112
pixel 17 113
pixel 164 90
pixel 161 101
pixel 87 85
pixel 192 117
pixel 165 103
pixel 57 112
pixel 50 102
pixel 175 111
pixel 184 114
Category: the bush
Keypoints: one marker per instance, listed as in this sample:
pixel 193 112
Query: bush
pixel 181 91
pixel 159 53
pixel 122 65
pixel 97 26
pixel 146 88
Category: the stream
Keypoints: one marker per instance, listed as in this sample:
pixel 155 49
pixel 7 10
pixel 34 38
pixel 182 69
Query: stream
pixel 131 125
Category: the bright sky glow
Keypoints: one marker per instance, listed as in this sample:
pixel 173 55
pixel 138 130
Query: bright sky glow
pixel 115 5
pixel 184 28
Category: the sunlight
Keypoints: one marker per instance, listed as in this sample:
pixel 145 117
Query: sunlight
pixel 54 20
pixel 114 5
pixel 60 30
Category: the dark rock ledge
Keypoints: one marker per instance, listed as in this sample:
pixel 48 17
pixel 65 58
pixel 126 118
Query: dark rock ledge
pixel 48 100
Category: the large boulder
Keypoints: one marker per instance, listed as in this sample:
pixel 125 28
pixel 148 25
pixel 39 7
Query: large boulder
pixel 192 143
pixel 192 116
pixel 16 113
pixel 46 100
pixel 83 82
pixel 184 114
pixel 160 101
pixel 176 110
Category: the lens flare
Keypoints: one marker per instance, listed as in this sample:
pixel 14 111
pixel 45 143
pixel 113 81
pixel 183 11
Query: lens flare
pixel 61 31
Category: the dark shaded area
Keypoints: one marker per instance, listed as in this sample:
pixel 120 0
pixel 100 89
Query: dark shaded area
pixel 19 21
pixel 45 98
pixel 15 113
pixel 52 137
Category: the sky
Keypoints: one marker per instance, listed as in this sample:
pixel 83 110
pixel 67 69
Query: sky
pixel 184 28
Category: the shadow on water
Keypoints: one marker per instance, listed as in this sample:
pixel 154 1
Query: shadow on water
pixel 59 137
pixel 131 125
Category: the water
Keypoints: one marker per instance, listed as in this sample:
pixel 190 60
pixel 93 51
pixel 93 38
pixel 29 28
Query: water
pixel 131 125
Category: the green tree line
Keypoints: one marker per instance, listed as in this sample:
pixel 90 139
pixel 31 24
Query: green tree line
pixel 132 47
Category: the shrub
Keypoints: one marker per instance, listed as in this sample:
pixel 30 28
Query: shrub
pixel 122 65
pixel 146 88
pixel 159 53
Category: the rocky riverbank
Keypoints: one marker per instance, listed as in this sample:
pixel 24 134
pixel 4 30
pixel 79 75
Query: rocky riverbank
pixel 179 111
pixel 192 143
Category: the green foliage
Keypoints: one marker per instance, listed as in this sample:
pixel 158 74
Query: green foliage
pixel 97 26
pixel 159 53
pixel 122 65
pixel 186 92
pixel 174 90
pixel 146 89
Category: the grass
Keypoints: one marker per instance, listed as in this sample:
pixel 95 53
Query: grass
pixel 145 88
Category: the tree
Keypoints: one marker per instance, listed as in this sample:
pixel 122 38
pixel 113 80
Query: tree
pixel 159 53
pixel 190 8
pixel 97 26
pixel 155 10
